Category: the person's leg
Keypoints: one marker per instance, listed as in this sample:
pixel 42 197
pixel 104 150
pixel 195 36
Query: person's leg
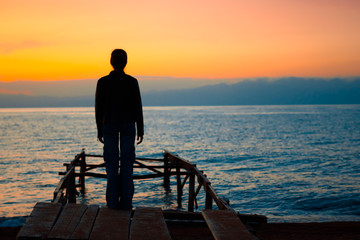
pixel 127 153
pixel 111 158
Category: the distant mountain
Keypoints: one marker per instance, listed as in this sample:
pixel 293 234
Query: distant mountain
pixel 72 88
pixel 21 100
pixel 264 92
pixel 250 92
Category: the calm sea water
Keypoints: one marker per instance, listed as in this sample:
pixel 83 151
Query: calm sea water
pixel 290 163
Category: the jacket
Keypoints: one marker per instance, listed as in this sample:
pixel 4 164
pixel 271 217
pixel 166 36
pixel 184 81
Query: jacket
pixel 118 100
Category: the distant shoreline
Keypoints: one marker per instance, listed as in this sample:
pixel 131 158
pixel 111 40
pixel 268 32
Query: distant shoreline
pixel 240 105
pixel 284 91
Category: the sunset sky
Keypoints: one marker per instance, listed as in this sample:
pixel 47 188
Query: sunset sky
pixel 71 40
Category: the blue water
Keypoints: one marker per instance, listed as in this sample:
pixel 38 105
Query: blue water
pixel 290 163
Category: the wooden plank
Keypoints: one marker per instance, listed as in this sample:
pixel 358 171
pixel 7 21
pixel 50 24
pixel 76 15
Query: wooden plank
pixel 182 215
pixel 146 176
pixel 67 221
pixel 208 200
pixel 219 202
pixel 201 177
pixel 150 159
pixel 59 196
pixel 40 221
pixel 60 186
pixel 137 158
pixel 70 188
pixel 111 224
pixel 191 192
pixel 179 187
pixel 148 167
pixel 178 161
pixel 86 223
pixel 225 224
pixel 152 166
pixel 166 173
pixel 82 171
pixel 148 224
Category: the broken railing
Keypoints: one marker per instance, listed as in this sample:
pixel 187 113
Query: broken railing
pixel 170 165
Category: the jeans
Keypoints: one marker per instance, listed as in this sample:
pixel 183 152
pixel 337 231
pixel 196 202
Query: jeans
pixel 120 185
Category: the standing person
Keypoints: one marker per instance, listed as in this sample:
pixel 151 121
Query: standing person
pixel 118 109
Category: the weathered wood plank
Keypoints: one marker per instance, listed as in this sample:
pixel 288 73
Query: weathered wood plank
pixel 219 202
pixel 148 167
pixel 225 225
pixel 67 221
pixel 40 221
pixel 111 224
pixel 59 196
pixel 86 223
pixel 182 215
pixel 191 192
pixel 149 223
pixel 179 161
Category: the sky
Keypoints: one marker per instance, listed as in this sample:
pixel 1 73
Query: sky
pixel 46 40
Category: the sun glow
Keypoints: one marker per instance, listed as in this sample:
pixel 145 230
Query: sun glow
pixel 60 40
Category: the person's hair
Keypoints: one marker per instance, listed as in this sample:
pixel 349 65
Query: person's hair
pixel 118 59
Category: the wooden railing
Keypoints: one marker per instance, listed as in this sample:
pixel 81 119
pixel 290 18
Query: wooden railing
pixel 171 165
pixel 174 164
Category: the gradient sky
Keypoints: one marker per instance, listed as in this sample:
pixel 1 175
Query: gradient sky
pixel 67 39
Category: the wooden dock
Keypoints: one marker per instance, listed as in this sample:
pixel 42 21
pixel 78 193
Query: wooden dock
pixel 64 219
pixel 76 221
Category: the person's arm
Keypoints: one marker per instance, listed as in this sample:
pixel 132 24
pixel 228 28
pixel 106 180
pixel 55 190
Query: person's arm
pixel 139 115
pixel 99 111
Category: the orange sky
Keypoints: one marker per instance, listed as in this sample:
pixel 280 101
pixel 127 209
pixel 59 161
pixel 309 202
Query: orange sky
pixel 61 40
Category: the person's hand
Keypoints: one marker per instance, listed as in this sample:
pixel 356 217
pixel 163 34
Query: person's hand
pixel 101 139
pixel 139 139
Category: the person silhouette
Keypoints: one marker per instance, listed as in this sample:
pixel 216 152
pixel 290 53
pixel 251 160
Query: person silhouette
pixel 118 109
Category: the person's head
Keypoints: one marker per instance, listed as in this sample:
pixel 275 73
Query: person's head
pixel 118 59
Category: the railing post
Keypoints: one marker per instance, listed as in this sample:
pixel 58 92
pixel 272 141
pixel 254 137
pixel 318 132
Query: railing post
pixel 82 172
pixel 166 171
pixel 71 189
pixel 179 187
pixel 208 200
pixel 191 192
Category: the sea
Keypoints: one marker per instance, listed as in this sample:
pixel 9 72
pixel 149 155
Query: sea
pixel 294 163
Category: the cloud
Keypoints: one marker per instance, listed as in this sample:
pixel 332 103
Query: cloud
pixel 12 92
pixel 68 88
pixel 10 47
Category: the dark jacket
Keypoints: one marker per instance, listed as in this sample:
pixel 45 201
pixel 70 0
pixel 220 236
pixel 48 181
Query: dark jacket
pixel 118 100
